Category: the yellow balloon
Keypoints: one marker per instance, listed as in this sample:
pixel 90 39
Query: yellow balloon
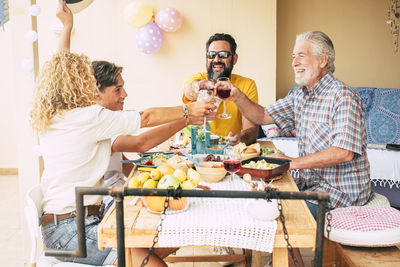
pixel 138 14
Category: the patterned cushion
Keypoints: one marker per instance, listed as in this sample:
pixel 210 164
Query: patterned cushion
pixel 365 226
pixel 382 114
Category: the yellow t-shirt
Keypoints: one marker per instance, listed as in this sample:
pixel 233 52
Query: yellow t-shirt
pixel 234 124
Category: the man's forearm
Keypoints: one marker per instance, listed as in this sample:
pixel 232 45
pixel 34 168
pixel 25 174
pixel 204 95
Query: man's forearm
pixel 148 139
pixel 325 158
pixel 156 116
pixel 253 111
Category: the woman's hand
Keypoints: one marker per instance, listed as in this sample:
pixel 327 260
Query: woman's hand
pixel 200 109
pixel 193 88
pixel 65 15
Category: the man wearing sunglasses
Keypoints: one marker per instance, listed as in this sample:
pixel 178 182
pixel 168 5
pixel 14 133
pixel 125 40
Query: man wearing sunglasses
pixel 220 58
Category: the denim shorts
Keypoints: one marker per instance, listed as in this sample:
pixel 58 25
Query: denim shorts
pixel 63 235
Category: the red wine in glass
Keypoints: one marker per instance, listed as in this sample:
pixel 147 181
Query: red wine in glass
pixel 223 93
pixel 232 166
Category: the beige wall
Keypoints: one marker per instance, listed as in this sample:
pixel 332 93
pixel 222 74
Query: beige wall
pixel 151 80
pixel 364 50
pixel 157 79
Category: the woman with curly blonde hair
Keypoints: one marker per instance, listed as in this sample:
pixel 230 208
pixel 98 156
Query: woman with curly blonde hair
pixel 66 82
pixel 75 142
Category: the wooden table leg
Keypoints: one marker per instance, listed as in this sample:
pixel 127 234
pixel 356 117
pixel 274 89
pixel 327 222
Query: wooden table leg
pixel 280 257
pixel 128 257
pixel 256 259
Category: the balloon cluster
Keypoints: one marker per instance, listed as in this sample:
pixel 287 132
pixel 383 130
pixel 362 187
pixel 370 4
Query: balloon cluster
pixel 149 37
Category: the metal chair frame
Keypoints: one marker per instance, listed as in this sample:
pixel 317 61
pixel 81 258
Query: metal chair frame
pixel 119 192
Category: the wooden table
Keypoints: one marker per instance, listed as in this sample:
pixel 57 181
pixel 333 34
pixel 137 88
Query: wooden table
pixel 140 225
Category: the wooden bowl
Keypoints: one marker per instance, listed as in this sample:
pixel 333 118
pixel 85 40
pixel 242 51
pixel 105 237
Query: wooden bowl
pixel 210 174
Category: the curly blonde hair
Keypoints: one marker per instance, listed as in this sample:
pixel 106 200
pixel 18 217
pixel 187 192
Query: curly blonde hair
pixel 65 82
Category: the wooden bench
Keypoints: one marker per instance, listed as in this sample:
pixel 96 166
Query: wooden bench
pixel 339 255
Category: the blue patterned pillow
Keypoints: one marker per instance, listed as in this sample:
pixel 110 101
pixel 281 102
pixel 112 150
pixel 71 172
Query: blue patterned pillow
pixel 382 114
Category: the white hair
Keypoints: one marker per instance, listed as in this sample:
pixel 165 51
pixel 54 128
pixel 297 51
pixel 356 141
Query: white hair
pixel 321 44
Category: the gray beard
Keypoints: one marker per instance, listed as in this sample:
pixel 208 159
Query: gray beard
pixel 214 76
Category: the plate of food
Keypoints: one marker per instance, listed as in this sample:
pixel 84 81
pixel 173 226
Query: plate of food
pixel 156 159
pixel 151 161
pixel 264 167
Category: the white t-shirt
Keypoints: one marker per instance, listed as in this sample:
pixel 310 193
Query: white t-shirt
pixel 76 152
pixel 114 175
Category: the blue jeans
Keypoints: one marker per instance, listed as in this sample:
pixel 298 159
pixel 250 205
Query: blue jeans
pixel 314 209
pixel 64 236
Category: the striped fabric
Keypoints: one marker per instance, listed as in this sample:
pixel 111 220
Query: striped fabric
pixel 330 115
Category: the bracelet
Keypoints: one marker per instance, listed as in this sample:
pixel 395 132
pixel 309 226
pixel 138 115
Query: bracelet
pixel 185 111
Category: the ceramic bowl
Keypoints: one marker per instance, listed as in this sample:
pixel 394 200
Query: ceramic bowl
pixel 210 174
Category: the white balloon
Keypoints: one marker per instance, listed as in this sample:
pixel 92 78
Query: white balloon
pixel 27 64
pixel 34 10
pixel 31 36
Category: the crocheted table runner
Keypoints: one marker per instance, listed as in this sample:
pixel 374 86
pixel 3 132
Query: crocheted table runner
pixel 218 222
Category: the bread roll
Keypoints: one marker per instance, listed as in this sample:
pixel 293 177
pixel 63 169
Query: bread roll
pixel 249 150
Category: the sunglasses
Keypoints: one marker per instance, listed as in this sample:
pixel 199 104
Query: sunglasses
pixel 221 54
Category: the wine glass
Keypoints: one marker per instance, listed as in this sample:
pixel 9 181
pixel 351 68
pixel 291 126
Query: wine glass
pixel 232 161
pixel 205 93
pixel 224 91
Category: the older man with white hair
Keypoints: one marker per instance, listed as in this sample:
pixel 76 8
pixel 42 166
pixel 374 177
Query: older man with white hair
pixel 328 117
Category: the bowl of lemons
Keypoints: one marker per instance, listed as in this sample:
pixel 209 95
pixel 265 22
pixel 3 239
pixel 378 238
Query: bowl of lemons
pixel 164 177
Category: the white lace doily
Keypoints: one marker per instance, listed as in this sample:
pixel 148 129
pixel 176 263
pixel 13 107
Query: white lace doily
pixel 218 222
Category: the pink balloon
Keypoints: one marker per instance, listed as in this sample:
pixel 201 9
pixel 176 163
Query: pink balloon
pixel 169 19
pixel 149 38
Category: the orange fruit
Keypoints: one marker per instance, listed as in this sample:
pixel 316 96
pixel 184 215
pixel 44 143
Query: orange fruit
pixel 178 204
pixel 165 169
pixel 155 203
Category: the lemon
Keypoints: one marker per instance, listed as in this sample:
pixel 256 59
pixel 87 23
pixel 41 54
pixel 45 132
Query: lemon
pixel 134 182
pixel 155 174
pixel 150 183
pixel 181 174
pixel 143 177
pixel 194 176
pixel 187 185
pixel 165 169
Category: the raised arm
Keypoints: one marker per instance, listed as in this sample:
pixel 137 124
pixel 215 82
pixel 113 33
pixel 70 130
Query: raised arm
pixel 67 19
pixel 156 116
pixel 254 112
pixel 153 137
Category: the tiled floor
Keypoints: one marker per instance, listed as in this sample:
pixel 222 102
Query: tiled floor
pixel 11 234
pixel 10 225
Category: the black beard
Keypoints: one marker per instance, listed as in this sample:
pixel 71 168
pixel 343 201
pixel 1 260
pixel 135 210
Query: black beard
pixel 214 76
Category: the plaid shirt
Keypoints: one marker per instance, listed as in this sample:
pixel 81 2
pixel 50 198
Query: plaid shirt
pixel 331 115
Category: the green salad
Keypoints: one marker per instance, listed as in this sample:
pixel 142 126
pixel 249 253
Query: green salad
pixel 266 151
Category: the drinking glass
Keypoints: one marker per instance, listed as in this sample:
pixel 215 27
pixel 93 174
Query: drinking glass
pixel 232 163
pixel 205 93
pixel 224 91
